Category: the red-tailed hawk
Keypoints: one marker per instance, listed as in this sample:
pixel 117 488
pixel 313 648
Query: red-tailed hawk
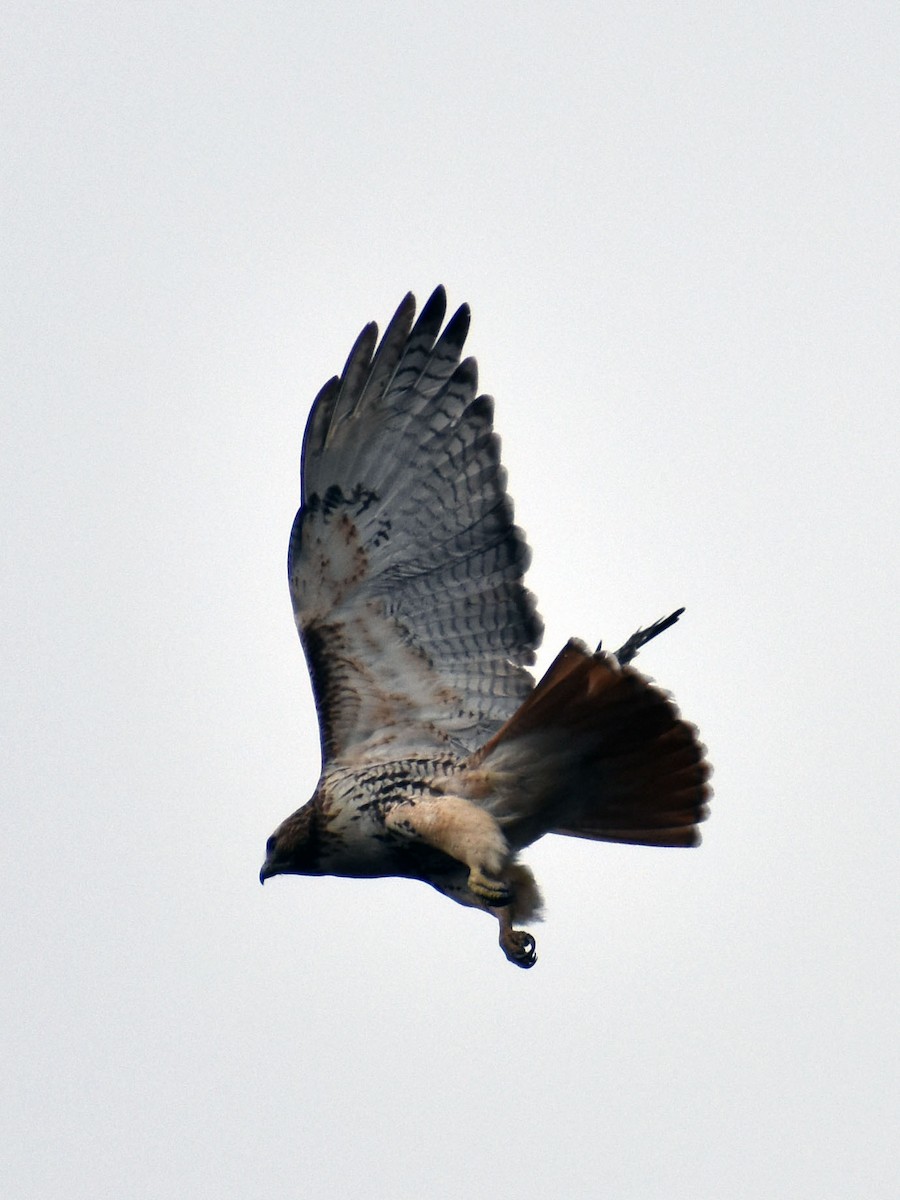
pixel 441 759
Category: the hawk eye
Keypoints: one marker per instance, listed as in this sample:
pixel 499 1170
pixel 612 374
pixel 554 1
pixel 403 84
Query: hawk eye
pixel 271 844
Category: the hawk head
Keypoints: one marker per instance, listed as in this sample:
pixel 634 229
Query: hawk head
pixel 293 847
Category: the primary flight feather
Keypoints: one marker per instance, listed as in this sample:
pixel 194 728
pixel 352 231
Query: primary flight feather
pixel 441 759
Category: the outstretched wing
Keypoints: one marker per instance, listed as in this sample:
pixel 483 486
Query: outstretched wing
pixel 405 566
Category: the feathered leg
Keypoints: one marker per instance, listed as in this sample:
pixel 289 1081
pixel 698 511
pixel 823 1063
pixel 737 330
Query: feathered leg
pixel 463 831
pixel 518 945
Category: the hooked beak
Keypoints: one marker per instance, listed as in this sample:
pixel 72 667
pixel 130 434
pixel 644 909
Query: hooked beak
pixel 266 871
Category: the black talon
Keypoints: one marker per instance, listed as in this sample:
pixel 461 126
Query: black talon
pixel 520 948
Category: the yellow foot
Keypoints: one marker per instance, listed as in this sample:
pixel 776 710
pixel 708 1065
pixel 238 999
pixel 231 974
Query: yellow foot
pixel 493 892
pixel 519 947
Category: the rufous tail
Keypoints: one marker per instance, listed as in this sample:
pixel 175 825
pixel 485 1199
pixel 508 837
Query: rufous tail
pixel 598 751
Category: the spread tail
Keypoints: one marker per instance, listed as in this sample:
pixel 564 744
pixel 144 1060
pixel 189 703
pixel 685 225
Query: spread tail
pixel 597 751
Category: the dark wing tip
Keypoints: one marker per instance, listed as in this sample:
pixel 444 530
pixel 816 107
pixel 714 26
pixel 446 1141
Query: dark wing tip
pixel 404 314
pixel 432 315
pixel 319 419
pixel 360 355
pixel 458 326
pixel 482 409
pixel 437 299
pixel 466 375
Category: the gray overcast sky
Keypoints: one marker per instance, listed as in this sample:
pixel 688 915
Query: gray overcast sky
pixel 677 227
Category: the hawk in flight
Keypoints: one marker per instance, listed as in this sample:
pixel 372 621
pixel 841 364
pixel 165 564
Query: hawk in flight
pixel 441 757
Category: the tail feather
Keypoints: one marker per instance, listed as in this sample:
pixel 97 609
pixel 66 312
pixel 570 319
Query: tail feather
pixel 598 751
pixel 630 649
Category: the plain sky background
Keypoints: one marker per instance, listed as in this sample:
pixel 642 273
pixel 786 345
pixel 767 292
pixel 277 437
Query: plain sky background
pixel 677 225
